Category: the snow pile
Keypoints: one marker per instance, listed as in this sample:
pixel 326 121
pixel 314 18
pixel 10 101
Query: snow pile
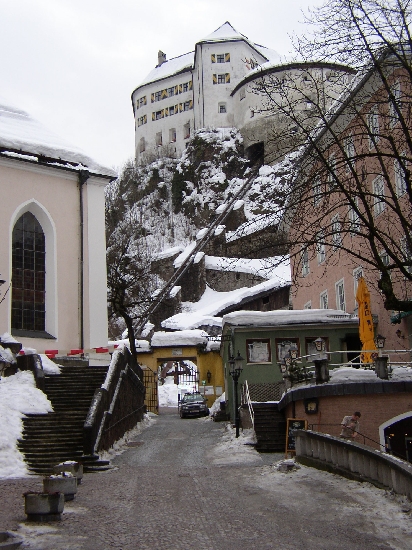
pixel 289 317
pixel 122 444
pixel 350 374
pixel 216 405
pixel 49 366
pixel 169 391
pixel 18 395
pixel 179 338
pixel 234 450
pixel 206 311
pixel 401 373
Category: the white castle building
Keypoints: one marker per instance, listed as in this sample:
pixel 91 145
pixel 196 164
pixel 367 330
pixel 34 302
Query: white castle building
pixel 215 86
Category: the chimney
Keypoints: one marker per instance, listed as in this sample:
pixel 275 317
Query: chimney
pixel 161 58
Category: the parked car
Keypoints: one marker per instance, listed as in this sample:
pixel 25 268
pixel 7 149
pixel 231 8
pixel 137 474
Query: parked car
pixel 193 404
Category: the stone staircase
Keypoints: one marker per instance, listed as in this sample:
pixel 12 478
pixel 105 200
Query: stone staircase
pixel 49 439
pixel 270 428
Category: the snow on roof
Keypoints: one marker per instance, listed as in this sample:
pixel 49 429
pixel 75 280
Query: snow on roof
pixel 184 255
pixel 179 338
pixel 206 311
pixel 169 252
pixel 224 33
pixel 258 223
pixel 268 268
pixel 288 317
pixel 170 67
pixel 20 132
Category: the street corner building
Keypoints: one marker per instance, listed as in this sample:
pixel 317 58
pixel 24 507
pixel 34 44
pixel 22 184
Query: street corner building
pixel 52 246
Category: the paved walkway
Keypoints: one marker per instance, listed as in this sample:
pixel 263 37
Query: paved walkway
pixel 176 489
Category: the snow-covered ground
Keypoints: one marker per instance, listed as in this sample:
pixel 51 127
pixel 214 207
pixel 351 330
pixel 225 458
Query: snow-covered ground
pixel 18 395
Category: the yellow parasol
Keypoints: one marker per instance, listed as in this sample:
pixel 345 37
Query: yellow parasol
pixel 366 331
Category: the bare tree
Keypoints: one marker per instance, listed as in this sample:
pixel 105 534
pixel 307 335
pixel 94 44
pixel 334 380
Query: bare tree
pixel 128 257
pixel 350 197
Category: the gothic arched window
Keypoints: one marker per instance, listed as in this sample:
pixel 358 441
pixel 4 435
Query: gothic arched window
pixel 28 275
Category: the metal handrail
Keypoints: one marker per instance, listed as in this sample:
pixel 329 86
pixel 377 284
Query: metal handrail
pixel 245 400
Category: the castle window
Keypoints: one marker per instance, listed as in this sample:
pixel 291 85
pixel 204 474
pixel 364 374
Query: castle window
pixel 186 87
pixel 220 58
pixel 172 135
pixel 171 91
pixel 158 96
pixel 142 145
pixel 221 79
pixel 159 139
pixel 159 115
pixel 172 110
pixel 222 108
pixel 28 274
pixel 142 101
pixel 186 131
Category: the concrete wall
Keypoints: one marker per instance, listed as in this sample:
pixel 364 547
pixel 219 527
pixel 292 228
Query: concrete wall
pixel 354 461
pixel 375 408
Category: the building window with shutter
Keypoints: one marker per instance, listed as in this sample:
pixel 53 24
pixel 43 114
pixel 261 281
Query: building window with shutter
pixel 222 108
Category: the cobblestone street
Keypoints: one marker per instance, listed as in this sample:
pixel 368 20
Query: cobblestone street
pixel 173 490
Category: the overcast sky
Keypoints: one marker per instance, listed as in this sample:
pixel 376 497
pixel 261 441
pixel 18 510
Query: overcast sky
pixel 73 64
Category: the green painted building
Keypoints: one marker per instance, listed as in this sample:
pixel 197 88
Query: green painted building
pixel 264 339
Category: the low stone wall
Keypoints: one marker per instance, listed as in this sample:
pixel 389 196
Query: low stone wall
pixel 353 460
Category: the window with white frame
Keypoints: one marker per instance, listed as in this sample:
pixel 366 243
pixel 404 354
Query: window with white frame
pixel 332 172
pixel 222 108
pixel 320 246
pixel 336 232
pixel 373 127
pixel 317 191
pixel 340 295
pixel 221 79
pixel 308 305
pixel 378 189
pixel 172 110
pixel 354 219
pixel 186 131
pixel 305 262
pixel 406 247
pixel 394 103
pixel 349 147
pixel 171 91
pixel 324 304
pixel 357 274
pixel 400 178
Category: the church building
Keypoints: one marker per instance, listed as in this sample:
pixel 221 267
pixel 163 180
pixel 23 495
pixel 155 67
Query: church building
pixel 53 293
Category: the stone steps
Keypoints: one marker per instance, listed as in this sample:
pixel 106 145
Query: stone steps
pixel 49 439
pixel 270 427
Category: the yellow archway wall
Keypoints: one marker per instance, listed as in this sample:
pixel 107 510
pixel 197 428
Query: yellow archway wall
pixel 205 360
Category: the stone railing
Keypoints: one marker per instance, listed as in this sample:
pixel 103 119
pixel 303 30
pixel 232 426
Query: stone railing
pixel 353 460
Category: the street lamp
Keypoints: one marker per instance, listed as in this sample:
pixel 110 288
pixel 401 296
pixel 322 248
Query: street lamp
pixel 235 369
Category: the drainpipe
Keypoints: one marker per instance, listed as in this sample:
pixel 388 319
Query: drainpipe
pixel 83 177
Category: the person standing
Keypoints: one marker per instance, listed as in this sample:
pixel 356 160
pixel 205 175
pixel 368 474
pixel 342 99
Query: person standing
pixel 350 426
